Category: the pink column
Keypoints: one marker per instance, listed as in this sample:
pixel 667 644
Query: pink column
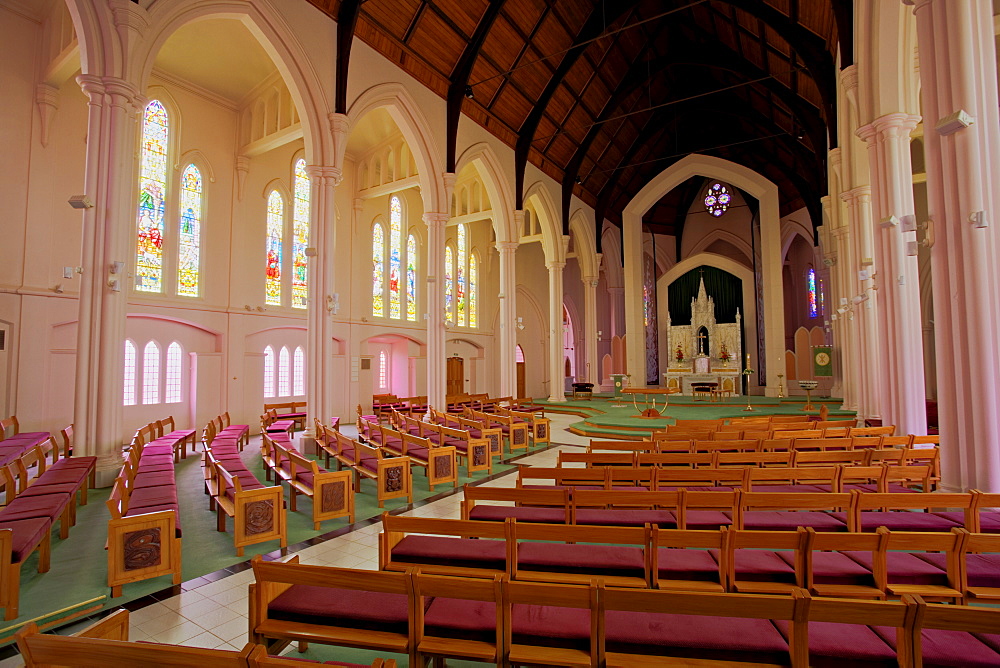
pixel 508 312
pixel 958 74
pixel 897 277
pixel 843 327
pixel 557 390
pixel 437 378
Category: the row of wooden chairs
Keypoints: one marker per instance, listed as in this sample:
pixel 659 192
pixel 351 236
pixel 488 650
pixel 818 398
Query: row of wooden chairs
pixel 699 509
pixel 166 429
pixel 258 510
pixel 288 410
pixel 775 431
pixel 332 492
pixel 955 566
pixel 475 451
pixel 105 643
pixel 503 622
pixel 730 441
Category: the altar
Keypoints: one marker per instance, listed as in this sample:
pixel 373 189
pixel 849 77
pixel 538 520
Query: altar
pixel 705 351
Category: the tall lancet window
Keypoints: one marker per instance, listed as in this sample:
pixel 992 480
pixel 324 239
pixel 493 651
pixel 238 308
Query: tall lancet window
pixel 300 236
pixel 473 289
pixel 299 372
pixel 189 238
pixel 151 373
pixel 152 198
pixel 268 372
pixel 811 291
pixel 395 241
pixel 449 284
pixel 275 234
pixel 284 373
pixel 411 278
pixel 460 275
pixel 129 395
pixel 172 393
pixel 378 270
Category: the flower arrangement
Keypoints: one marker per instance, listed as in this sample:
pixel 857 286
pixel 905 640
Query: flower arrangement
pixel 679 355
pixel 724 353
pixel 747 371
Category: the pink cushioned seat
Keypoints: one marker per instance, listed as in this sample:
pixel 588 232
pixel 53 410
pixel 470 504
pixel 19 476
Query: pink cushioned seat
pixel 781 520
pixel 989 521
pixel 687 564
pixel 455 618
pixel 707 519
pixel 905 521
pixel 626 518
pixel 550 626
pixel 761 566
pixel 27 533
pixel 154 479
pixel 905 568
pixel 842 643
pixel 523 514
pixel 49 506
pixel 836 568
pixel 153 496
pixel 948 648
pixel 982 570
pixel 377 611
pixel 610 560
pixel 447 551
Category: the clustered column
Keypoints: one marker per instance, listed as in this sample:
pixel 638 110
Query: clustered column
pixel 508 316
pixel 437 378
pixel 556 374
pixel 590 327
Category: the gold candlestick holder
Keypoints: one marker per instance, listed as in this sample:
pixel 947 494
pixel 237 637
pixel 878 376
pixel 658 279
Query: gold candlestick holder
pixel 781 387
pixel 747 371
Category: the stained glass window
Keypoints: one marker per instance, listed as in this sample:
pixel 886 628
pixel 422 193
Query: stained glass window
pixel 645 305
pixel 449 288
pixel 395 241
pixel 383 371
pixel 129 395
pixel 269 372
pixel 152 198
pixel 300 236
pixel 275 232
pixel 821 293
pixel 378 270
pixel 460 276
pixel 473 281
pixel 717 199
pixel 284 386
pixel 172 389
pixel 189 239
pixel 411 278
pixel 298 372
pixel 151 373
pixel 811 290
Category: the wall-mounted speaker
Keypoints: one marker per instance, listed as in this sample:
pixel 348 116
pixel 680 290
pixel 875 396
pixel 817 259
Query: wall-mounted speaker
pixel 366 363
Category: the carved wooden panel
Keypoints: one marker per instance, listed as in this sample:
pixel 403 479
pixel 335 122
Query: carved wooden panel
pixel 479 455
pixel 142 549
pixel 394 479
pixel 259 517
pixel 494 442
pixel 333 496
pixel 541 430
pixel 519 436
pixel 442 467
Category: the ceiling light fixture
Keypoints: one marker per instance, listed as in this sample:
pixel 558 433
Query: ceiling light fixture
pixel 469 94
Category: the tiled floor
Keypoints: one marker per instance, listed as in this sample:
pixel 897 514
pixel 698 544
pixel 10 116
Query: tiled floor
pixel 214 615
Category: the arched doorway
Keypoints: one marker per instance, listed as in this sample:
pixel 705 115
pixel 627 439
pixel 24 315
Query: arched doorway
pixel 519 360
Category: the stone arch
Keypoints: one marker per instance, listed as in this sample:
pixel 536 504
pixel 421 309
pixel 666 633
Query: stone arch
pixel 727 236
pixel 482 157
pixel 886 39
pixel 416 131
pixel 739 176
pixel 542 202
pixel 611 257
pixel 583 242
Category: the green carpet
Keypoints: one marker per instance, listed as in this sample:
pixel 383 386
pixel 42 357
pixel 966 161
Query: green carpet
pixel 78 570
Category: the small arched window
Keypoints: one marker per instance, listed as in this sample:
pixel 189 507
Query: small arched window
pixel 269 372
pixel 518 354
pixel 473 291
pixel 275 243
pixel 449 284
pixel 300 236
pixel 299 372
pixel 811 292
pixel 378 270
pixel 383 371
pixel 151 373
pixel 284 369
pixel 411 278
pixel 128 397
pixel 172 388
pixel 189 237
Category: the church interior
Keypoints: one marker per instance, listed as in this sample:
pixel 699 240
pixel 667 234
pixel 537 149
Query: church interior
pixel 512 332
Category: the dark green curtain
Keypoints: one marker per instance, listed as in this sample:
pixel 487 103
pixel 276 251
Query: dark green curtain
pixel 723 287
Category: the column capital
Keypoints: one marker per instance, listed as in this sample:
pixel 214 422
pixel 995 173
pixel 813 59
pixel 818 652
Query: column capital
pixel 835 157
pixel 849 77
pixel 432 218
pixel 121 92
pixel 589 281
pixel 555 265
pixel 322 172
pixel 861 193
pixel 866 133
pixel 506 246
pixel 899 123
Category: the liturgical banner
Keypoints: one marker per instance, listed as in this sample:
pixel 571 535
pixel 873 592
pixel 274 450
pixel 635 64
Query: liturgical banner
pixel 822 361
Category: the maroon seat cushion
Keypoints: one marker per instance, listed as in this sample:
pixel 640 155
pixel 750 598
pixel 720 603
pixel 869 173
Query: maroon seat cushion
pixel 948 648
pixel 153 496
pixel 154 479
pixel 762 566
pixel 989 521
pixel 550 626
pixel 45 490
pixel 982 570
pixel 74 463
pixel 460 445
pixel 685 564
pixel 49 507
pixel 788 489
pixel 781 520
pixel 707 519
pixel 835 568
pixel 615 560
pixel 905 521
pixel 718 638
pixel 448 551
pixel 896 488
pixel 626 518
pixel 456 618
pixel 992 640
pixel 60 476
pixel 377 611
pixel 523 514
pixel 418 452
pixel 231 491
pixel 27 534
pixel 369 464
pixel 905 568
pixel 845 642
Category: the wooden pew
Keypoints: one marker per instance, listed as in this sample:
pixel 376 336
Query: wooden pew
pixel 289 410
pixel 450 547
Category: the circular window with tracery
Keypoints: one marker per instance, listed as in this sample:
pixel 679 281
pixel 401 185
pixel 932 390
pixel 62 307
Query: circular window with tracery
pixel 717 199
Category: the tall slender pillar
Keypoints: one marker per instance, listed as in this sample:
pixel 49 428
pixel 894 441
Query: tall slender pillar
pixel 112 108
pixel 616 306
pixel 958 73
pixel 899 322
pixel 844 326
pixel 320 379
pixel 437 378
pixel 557 390
pixel 590 328
pixel 508 315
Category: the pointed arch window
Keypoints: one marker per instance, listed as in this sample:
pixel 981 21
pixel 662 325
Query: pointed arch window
pixel 275 231
pixel 300 236
pixel 128 397
pixel 473 290
pixel 269 372
pixel 395 240
pixel 298 372
pixel 284 386
pixel 811 292
pixel 411 278
pixel 518 354
pixel 152 198
pixel 151 373
pixel 172 388
pixel 383 370
pixel 378 270
pixel 449 284
pixel 189 233
pixel 460 275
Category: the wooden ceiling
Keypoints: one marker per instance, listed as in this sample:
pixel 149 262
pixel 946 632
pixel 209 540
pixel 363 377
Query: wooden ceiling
pixel 602 95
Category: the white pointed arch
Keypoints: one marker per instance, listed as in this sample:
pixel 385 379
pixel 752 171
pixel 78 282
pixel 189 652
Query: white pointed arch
pixel 491 172
pixel 543 204
pixel 583 242
pixel 727 236
pixel 416 131
pixel 611 256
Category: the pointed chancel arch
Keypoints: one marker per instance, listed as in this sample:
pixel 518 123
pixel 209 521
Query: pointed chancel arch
pixel 747 180
pixel 552 238
pixel 483 159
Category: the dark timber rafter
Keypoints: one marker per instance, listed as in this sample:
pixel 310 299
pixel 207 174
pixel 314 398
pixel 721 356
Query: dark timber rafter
pixel 347 21
pixel 460 77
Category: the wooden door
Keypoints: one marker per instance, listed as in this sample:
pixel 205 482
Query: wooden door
pixel 520 380
pixel 456 376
